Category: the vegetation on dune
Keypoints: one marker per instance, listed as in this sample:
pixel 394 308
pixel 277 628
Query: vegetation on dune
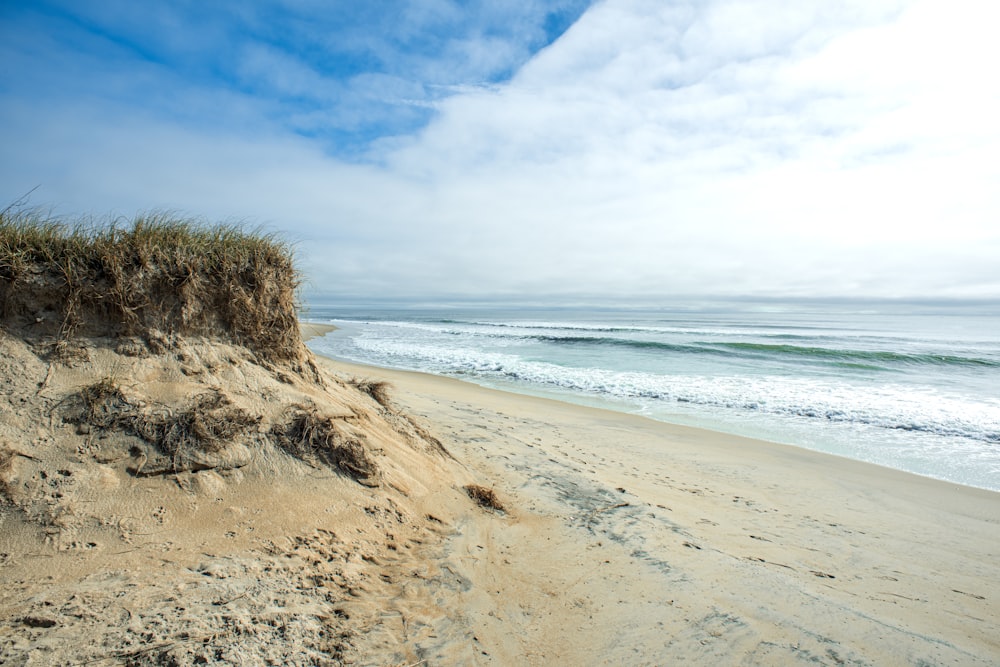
pixel 154 273
pixel 377 390
pixel 209 422
pixel 144 285
pixel 311 436
pixel 484 497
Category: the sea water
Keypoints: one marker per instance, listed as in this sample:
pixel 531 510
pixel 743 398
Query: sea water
pixel 911 387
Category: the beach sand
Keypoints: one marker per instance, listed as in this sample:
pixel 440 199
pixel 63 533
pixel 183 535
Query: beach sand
pixel 236 554
pixel 629 541
pixel 622 541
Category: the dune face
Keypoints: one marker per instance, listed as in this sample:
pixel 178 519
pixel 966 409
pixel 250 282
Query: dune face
pixel 179 482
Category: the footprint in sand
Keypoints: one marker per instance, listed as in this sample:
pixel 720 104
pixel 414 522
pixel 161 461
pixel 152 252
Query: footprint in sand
pixel 971 595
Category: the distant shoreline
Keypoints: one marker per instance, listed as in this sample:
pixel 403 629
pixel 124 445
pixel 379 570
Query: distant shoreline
pixel 874 398
pixel 820 459
pixel 314 330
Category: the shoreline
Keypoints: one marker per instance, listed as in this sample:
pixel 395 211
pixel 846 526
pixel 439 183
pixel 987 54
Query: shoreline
pixel 721 441
pixel 638 541
pixel 312 330
pixel 316 330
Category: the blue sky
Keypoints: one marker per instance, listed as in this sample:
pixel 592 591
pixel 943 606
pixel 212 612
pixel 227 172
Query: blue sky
pixel 344 74
pixel 559 150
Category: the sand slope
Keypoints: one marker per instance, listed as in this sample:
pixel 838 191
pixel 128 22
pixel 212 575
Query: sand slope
pixel 112 552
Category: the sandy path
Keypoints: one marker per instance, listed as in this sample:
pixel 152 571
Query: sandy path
pixel 634 542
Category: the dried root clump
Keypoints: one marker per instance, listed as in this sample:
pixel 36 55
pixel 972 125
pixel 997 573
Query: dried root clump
pixel 313 437
pixel 484 497
pixel 104 405
pixel 209 423
pixel 377 390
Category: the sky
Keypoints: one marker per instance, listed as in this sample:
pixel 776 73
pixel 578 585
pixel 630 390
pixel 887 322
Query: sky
pixel 552 151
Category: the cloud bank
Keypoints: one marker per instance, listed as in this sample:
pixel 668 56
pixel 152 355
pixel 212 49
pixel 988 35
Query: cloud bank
pixel 644 150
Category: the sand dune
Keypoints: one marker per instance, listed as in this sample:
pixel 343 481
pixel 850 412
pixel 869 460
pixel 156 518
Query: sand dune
pixel 240 553
pixel 180 483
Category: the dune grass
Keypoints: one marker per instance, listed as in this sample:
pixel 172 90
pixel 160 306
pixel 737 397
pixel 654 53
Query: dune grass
pixel 377 390
pixel 155 272
pixel 484 497
pixel 311 436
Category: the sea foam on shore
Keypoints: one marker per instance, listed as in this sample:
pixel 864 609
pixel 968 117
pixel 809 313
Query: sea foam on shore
pixel 907 390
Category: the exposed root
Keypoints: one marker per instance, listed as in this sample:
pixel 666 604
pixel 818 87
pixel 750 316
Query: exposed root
pixel 310 436
pixel 208 424
pixel 484 497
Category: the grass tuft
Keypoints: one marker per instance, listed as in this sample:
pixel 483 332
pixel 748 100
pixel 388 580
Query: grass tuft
pixel 378 390
pixel 311 436
pixel 156 273
pixel 208 423
pixel 104 404
pixel 485 497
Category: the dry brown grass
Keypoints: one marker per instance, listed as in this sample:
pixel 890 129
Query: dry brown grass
pixel 376 389
pixel 313 437
pixel 207 423
pixel 154 274
pixel 104 404
pixel 485 497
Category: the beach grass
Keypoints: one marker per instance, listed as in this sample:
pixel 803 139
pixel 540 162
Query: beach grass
pixel 484 497
pixel 378 391
pixel 156 272
pixel 310 435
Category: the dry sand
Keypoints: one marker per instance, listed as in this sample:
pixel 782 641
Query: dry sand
pixel 245 556
pixel 624 541
pixel 630 541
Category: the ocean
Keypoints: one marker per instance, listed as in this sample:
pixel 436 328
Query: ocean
pixel 911 387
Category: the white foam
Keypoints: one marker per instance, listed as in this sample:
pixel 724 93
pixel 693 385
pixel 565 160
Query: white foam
pixel 896 419
pixel 883 405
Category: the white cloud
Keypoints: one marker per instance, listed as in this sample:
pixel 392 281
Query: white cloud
pixel 651 132
pixel 718 148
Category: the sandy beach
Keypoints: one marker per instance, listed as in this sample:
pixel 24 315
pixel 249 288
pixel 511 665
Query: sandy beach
pixel 629 541
pixel 546 333
pixel 619 540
